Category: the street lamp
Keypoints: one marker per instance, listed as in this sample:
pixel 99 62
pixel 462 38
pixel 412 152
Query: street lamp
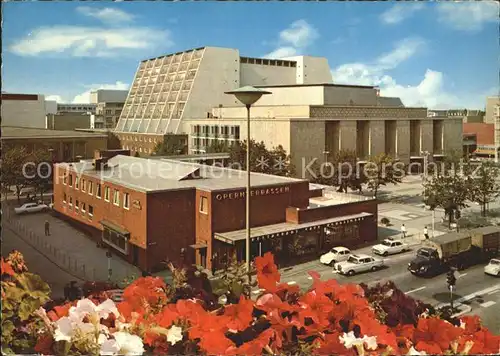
pixel 248 96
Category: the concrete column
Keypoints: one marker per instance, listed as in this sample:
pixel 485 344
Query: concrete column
pixel 347 135
pixel 376 140
pixel 403 140
pixel 426 136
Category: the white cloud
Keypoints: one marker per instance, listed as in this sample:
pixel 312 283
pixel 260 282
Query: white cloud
pixel 400 12
pixel 57 98
pixel 79 41
pixel 107 15
pixel 468 16
pixel 299 35
pixel 429 92
pixel 84 98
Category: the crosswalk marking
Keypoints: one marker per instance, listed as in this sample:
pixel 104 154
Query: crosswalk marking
pixel 488 304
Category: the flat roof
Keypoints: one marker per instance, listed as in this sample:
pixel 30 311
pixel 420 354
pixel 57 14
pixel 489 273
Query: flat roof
pixel 154 175
pixel 316 85
pixel 285 228
pixel 14 132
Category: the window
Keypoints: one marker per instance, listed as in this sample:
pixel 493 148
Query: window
pixel 91 212
pixel 116 240
pixel 65 178
pixel 91 187
pixel 98 190
pixel 77 181
pixel 77 206
pixel 204 205
pixel 116 197
pixel 83 185
pixel 64 197
pixel 70 201
pixel 106 193
pixel 70 180
pixel 83 208
pixel 126 201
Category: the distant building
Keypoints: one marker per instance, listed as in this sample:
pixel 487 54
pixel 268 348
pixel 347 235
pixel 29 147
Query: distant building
pixel 492 109
pixel 23 110
pixel 479 139
pixel 69 121
pixel 76 108
pixel 109 106
pixel 67 146
pixel 151 218
pixel 468 116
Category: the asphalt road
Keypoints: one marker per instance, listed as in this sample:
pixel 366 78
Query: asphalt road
pixel 480 291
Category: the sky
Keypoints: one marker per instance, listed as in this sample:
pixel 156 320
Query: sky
pixel 438 55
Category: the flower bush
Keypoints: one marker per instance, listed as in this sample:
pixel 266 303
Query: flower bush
pixel 327 319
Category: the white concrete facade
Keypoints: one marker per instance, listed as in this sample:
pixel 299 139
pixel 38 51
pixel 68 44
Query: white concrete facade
pixel 23 110
pixel 187 85
pixel 108 96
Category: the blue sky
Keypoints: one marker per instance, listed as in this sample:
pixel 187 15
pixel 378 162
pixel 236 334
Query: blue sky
pixel 429 54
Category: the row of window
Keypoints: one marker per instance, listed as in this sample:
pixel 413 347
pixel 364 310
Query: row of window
pixel 79 206
pixel 216 130
pixel 204 142
pixel 140 138
pixel 138 149
pixel 88 186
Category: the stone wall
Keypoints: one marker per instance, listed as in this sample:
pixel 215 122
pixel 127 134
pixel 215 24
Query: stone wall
pixel 377 137
pixel 403 140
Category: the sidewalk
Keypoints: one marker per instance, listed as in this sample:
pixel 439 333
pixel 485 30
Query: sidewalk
pixel 67 247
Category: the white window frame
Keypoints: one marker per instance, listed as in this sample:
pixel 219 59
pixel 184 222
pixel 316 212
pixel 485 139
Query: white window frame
pixel 64 198
pixel 203 200
pixel 77 202
pixel 91 214
pixel 106 196
pixel 83 185
pixel 70 201
pixel 116 197
pixel 126 201
pixel 98 189
pixel 91 188
pixel 65 179
pixel 70 180
pixel 83 208
pixel 77 182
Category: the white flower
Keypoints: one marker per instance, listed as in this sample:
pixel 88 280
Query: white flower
pixel 349 340
pixel 413 352
pixel 174 335
pixel 86 307
pixel 67 327
pixel 123 344
pixel 107 307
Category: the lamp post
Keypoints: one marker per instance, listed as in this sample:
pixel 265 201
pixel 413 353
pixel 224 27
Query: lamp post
pixel 248 95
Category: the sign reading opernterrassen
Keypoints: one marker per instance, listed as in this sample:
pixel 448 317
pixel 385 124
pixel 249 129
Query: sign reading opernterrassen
pixel 255 192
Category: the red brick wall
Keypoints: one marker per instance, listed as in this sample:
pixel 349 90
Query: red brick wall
pixel 485 133
pixel 133 219
pixel 171 226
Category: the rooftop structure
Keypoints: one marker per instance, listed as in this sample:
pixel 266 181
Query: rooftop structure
pixel 188 84
pixel 23 110
pixel 108 96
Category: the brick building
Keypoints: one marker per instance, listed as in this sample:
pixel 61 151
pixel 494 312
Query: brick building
pixel 148 210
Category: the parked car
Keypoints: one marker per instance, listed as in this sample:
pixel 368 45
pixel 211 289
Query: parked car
pixel 30 208
pixel 389 247
pixel 359 263
pixel 493 267
pixel 336 254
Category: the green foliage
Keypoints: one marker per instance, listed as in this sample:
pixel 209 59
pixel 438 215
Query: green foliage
pixel 23 294
pixel 171 145
pixel 385 221
pixel 381 170
pixel 484 185
pixel 232 281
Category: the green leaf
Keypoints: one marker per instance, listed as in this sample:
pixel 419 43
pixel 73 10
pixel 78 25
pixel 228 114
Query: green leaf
pixel 27 307
pixel 34 285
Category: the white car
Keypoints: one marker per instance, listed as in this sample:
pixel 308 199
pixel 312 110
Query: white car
pixel 30 208
pixel 359 263
pixel 389 247
pixel 493 267
pixel 336 254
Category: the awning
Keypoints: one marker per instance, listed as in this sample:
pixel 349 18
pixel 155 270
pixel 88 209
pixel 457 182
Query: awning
pixel 283 229
pixel 112 226
pixel 198 246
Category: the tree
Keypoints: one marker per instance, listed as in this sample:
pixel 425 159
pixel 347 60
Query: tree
pixel 218 146
pixel 280 164
pixel 40 177
pixel 381 170
pixel 449 192
pixel 170 146
pixel 13 161
pixel 484 185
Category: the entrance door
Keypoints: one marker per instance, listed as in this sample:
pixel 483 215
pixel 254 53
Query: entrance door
pixel 135 255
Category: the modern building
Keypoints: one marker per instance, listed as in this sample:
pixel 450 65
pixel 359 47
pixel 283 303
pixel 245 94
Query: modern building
pixel 150 210
pixel 65 146
pixel 68 121
pixel 492 109
pixel 468 116
pixel 109 107
pixel 23 110
pixel 314 121
pixel 479 139
pixel 76 108
pixel 170 89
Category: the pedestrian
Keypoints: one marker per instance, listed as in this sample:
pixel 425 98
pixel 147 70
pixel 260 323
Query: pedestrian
pixel 47 228
pixel 403 230
pixel 426 233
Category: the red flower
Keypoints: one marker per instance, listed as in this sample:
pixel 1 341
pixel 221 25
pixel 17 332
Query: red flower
pixel 472 323
pixel 59 311
pixel 267 272
pixel 317 307
pixel 205 323
pixel 434 335
pixel 44 344
pixel 255 346
pixel 240 315
pixel 7 268
pixel 215 343
pixel 484 343
pixel 330 345
pixel 167 316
